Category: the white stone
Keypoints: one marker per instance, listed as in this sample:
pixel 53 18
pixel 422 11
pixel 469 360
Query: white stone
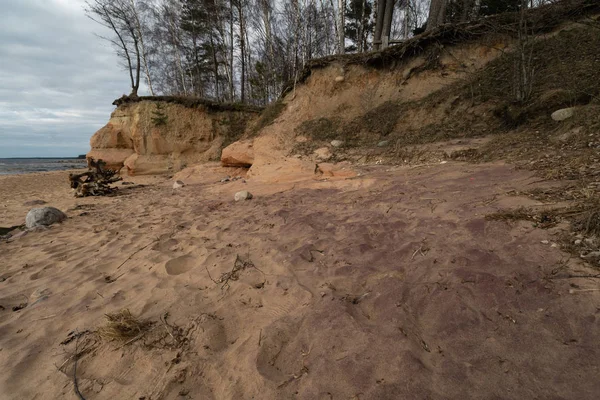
pixel 562 114
pixel 336 143
pixel 243 195
pixel 178 184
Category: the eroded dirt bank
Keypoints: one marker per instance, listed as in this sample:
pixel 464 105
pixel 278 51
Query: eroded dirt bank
pixel 391 284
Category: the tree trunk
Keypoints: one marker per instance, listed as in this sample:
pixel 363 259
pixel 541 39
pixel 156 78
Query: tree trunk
pixel 231 87
pixel 387 22
pixel 379 24
pixel 175 43
pixel 437 14
pixel 406 19
pixel 215 65
pixel 342 25
pixel 242 50
pixel 361 28
pixel 266 15
pixel 327 38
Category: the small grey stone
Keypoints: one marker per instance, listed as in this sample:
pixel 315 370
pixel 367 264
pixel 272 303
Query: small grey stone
pixel 336 143
pixel 562 114
pixel 383 143
pixel 178 184
pixel 44 216
pixel 243 195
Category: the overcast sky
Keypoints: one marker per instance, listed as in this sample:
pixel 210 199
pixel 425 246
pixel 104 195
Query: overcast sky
pixel 57 80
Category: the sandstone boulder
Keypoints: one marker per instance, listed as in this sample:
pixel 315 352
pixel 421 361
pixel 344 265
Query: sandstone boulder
pixel 238 154
pixel 44 216
pixel 323 154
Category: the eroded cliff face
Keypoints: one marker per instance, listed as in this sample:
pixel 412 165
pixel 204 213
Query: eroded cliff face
pixel 359 106
pixel 448 100
pixel 154 137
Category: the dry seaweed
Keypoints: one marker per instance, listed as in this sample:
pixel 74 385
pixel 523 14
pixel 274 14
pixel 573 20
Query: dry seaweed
pixel 122 326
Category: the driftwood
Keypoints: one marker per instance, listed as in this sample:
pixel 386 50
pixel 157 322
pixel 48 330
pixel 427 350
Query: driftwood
pixel 95 182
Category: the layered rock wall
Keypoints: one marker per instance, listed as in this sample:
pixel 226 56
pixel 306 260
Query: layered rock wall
pixel 153 137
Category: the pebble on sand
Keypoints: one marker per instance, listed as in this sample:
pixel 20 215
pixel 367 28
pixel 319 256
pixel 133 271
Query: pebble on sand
pixel 243 195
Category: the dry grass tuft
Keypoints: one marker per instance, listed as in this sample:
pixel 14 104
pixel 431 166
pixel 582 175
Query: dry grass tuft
pixel 588 221
pixel 542 219
pixel 123 326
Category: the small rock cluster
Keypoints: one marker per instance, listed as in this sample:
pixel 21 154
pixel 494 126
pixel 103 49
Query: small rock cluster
pixel 230 179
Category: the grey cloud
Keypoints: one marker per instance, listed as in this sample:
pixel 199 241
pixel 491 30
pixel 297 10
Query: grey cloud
pixel 57 79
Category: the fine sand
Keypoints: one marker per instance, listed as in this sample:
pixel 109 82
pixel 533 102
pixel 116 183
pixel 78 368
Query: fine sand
pixel 389 284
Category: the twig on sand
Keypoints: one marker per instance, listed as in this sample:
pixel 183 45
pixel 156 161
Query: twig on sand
pixel 415 253
pixel 303 371
pixel 420 250
pixel 572 291
pixel 211 278
pixel 575 276
pixel 134 253
pixel 238 265
pixel 75 385
pixel 43 318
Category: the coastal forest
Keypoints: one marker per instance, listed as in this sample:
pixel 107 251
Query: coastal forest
pixel 248 50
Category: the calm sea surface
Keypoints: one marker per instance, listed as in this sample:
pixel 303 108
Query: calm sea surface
pixel 10 166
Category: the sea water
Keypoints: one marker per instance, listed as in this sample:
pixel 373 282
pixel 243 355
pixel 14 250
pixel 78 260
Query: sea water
pixel 10 166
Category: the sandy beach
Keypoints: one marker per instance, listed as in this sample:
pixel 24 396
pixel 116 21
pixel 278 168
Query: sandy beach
pixel 389 284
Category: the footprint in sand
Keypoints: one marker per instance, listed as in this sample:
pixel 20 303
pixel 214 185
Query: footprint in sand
pixel 181 264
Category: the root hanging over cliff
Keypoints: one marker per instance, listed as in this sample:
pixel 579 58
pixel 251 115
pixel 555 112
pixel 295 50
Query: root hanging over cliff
pixel 95 182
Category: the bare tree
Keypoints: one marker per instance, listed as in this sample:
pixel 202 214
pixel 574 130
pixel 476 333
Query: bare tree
pixel 140 31
pixel 118 16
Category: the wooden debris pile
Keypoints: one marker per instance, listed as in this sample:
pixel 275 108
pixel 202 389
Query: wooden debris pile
pixel 96 181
